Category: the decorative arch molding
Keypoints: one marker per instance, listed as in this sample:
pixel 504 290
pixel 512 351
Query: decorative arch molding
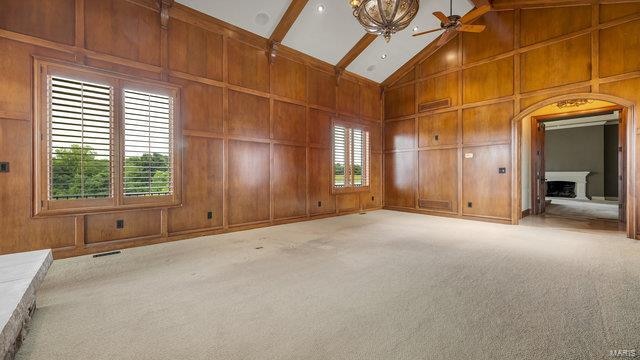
pixel 631 186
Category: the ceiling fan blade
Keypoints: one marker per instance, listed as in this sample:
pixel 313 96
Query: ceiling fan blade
pixel 475 13
pixel 472 28
pixel 444 38
pixel 442 17
pixel 427 32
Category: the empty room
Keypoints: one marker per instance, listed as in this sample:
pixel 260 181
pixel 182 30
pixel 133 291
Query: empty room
pixel 319 179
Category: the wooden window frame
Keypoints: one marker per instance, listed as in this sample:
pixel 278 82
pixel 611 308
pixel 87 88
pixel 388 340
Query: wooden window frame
pixel 42 204
pixel 349 187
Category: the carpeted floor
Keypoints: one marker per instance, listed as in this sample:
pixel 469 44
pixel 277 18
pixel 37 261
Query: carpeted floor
pixel 583 209
pixel 385 285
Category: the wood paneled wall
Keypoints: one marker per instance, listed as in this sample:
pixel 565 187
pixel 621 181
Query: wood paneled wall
pixel 448 161
pixel 256 135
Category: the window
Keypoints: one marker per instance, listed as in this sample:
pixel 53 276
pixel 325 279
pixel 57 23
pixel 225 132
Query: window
pixel 350 157
pixel 106 142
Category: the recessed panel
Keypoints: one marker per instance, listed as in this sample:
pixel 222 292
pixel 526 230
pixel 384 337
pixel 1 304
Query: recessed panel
pixel 489 123
pixel 289 181
pixel 399 135
pixel 400 177
pixel 486 191
pixel 547 23
pixel 444 59
pixel 135 224
pixel 319 128
pixel 289 79
pixel 496 39
pixel 400 101
pixel 201 107
pixel 320 198
pixel 289 122
pixel 370 104
pixel 50 20
pixel 488 81
pixel 248 115
pixel 348 97
pixel 438 180
pixel 439 88
pixel 194 50
pixel 620 49
pixel 248 182
pixel 248 66
pixel 322 88
pixel 438 129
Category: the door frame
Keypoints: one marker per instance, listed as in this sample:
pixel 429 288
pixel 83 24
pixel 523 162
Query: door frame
pixel 630 183
pixel 536 145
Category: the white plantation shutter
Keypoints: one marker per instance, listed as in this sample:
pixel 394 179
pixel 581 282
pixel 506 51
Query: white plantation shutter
pixel 360 144
pixel 80 147
pixel 148 160
pixel 339 155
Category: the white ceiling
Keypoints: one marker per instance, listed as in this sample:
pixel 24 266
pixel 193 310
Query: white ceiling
pixel 328 36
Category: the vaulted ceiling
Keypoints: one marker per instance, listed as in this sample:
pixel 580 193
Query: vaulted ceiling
pixel 329 35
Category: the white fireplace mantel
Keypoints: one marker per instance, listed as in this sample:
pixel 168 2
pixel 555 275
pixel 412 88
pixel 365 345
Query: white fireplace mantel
pixel 578 177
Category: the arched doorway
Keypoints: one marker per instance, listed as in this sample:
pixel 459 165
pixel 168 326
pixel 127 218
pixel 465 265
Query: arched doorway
pixel 630 118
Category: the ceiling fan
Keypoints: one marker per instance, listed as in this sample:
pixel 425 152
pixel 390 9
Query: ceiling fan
pixel 453 24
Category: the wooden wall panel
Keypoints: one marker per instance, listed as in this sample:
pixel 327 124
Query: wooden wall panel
pixel 571 64
pixel 18 231
pixel 319 128
pixel 289 79
pixel 248 181
pixel 50 20
pixel 370 101
pixel 496 39
pixel 102 227
pixel 194 50
pixel 250 66
pixel 15 79
pixel 122 29
pixel 488 81
pixel 439 88
pixel 400 179
pixel 348 97
pixel 525 56
pixel 248 115
pixel 321 88
pixel 438 129
pixel 321 200
pixel 444 59
pixel 289 181
pixel 202 107
pixel 348 202
pixel 399 101
pixel 609 12
pixel 487 191
pixel 248 157
pixel 399 135
pixel 202 187
pixel 373 198
pixel 491 123
pixel 289 122
pixel 437 180
pixel 546 23
pixel 620 49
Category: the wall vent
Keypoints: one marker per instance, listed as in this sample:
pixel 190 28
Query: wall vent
pixel 435 204
pixel 433 105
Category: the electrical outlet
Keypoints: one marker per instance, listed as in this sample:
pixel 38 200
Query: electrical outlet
pixel 120 224
pixel 470 204
pixel 437 137
pixel 4 167
pixel 373 198
pixel 319 203
pixel 210 215
pixel 502 170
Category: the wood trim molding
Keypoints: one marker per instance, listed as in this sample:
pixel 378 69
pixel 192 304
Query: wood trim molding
pixel 356 50
pixel 289 17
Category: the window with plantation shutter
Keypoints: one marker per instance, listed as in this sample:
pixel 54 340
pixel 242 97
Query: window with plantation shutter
pixel 105 141
pixel 350 157
pixel 79 151
pixel 147 144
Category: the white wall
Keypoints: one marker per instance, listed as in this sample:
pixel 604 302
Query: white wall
pixel 525 163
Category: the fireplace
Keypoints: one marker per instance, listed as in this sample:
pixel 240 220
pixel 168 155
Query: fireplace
pixel 577 178
pixel 565 189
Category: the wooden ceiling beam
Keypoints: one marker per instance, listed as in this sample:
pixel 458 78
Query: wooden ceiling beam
pixel 289 17
pixel 355 51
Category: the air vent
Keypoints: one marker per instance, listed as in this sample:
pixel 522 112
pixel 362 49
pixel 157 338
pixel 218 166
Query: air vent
pixel 433 105
pixel 435 204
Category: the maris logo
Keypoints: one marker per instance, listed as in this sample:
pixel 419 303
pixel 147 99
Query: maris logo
pixel 623 353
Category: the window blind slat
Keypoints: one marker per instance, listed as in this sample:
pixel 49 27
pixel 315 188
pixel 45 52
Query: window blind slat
pixel 79 136
pixel 148 165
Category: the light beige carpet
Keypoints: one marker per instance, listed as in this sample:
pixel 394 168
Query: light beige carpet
pixel 583 209
pixel 385 285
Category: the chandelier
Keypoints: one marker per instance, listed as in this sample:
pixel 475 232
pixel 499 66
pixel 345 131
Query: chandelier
pixel 384 17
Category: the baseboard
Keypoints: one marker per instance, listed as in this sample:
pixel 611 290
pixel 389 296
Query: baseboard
pixel 525 212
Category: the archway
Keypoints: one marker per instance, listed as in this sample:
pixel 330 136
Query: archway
pixel 630 116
